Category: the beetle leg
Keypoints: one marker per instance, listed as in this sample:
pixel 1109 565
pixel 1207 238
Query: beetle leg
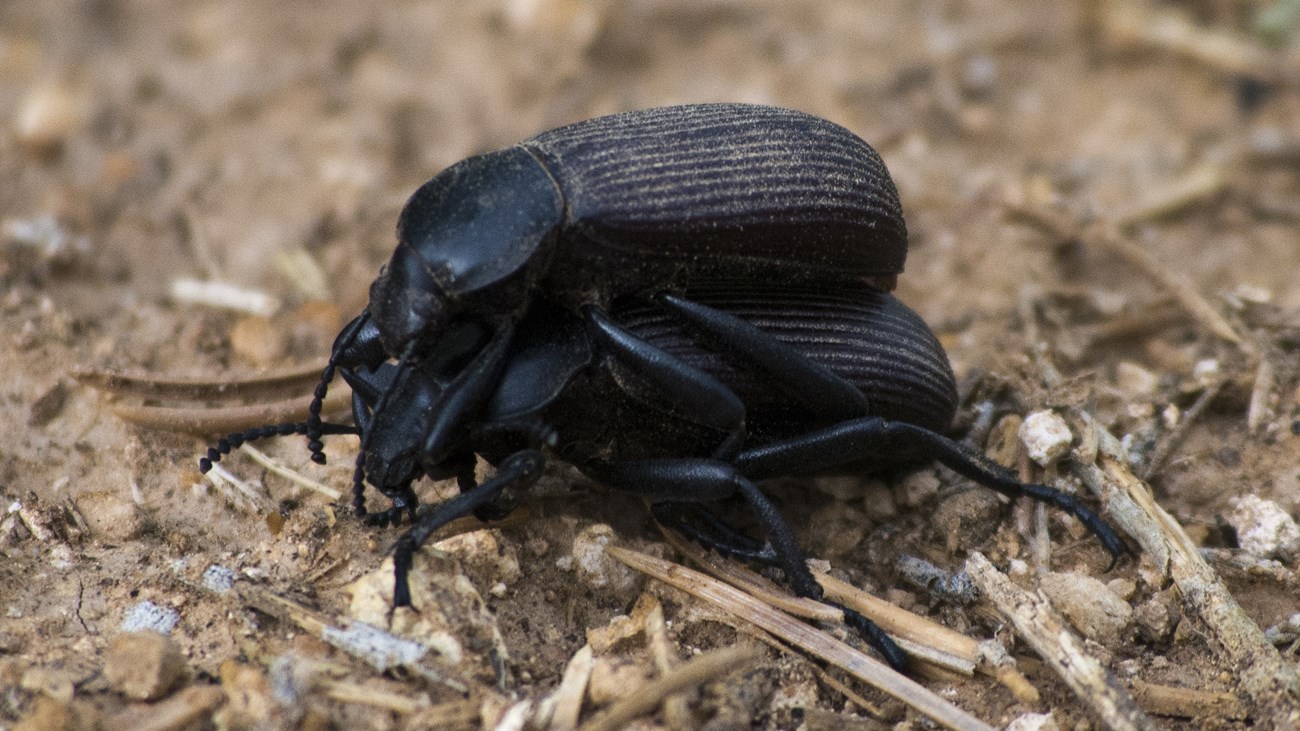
pixel 706 480
pixel 710 531
pixel 689 391
pixel 520 470
pixel 852 441
pixel 466 394
pixel 813 385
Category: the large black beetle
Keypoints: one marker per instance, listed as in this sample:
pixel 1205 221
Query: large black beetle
pixel 686 400
pixel 633 203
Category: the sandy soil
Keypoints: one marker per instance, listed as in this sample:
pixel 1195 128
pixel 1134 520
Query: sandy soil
pixel 269 146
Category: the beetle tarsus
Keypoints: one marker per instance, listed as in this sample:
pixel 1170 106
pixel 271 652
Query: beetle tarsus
pixel 519 471
pixel 878 637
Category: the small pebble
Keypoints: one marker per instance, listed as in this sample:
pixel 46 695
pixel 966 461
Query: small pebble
pixel 1263 528
pixel 1089 605
pixel 596 568
pixel 110 516
pixel 49 114
pixel 256 340
pixel 1153 620
pixel 1046 436
pixel 612 679
pixel 143 665
pixel 917 488
pixel 1134 381
pixel 218 579
pixel 1033 722
pixel 149 616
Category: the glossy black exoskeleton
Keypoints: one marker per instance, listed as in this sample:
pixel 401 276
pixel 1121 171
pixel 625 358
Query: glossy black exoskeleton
pixel 684 401
pixel 635 203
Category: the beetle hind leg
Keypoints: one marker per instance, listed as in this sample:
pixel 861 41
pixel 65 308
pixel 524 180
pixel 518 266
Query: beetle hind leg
pixel 860 439
pixel 705 480
pixel 702 526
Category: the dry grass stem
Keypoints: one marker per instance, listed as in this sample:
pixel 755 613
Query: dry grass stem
pixel 144 385
pixel 573 688
pixel 1142 26
pixel 707 668
pixel 223 296
pixel 1201 183
pixel 801 635
pixel 376 647
pixel 241 493
pixel 448 716
pixel 1261 394
pixel 920 638
pixel 226 419
pixel 182 710
pixel 1171 439
pixel 296 478
pixel 1044 630
pixel 1164 700
pixel 676 712
pixel 1271 684
pixel 364 695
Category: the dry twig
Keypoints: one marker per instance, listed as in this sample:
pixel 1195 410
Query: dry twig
pixel 1045 631
pixel 1271 684
pixel 803 636
pixel 1165 700
pixel 922 639
pixel 706 668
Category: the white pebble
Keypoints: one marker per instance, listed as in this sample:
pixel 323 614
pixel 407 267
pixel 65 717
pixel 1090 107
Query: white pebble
pixel 1046 436
pixel 147 615
pixel 1263 528
pixel 1033 722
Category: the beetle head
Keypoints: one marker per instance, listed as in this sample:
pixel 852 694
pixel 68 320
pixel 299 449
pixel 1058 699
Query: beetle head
pixel 409 308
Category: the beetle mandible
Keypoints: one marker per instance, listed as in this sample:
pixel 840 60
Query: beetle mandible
pixel 639 202
pixel 701 397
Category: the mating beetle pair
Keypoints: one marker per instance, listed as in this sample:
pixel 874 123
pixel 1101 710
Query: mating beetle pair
pixel 602 292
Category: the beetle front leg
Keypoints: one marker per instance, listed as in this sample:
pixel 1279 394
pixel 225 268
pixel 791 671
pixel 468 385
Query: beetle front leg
pixel 518 471
pixel 859 439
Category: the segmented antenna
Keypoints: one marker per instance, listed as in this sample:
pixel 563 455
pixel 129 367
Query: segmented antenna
pixel 231 442
pixel 359 486
pixel 313 424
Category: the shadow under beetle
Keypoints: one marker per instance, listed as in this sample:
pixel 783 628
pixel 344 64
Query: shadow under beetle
pixel 632 203
pixel 684 400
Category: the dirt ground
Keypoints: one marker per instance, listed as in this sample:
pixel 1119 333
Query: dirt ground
pixel 269 146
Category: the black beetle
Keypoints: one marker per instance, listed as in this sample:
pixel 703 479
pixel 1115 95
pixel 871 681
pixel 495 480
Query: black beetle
pixel 687 400
pixel 632 203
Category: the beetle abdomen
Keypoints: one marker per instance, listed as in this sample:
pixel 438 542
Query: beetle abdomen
pixel 866 337
pixel 727 188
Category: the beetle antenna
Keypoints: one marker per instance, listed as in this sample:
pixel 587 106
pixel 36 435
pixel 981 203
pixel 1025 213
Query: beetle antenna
pixel 313 432
pixel 231 442
pixel 358 475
